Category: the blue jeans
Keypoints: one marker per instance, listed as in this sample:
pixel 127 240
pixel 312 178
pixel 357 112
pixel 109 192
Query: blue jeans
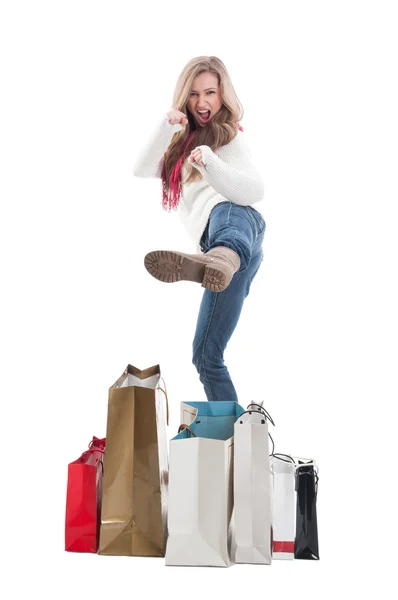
pixel 242 229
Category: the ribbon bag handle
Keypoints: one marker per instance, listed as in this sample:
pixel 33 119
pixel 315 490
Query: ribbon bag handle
pixel 315 469
pixel 165 395
pixel 183 426
pixel 96 445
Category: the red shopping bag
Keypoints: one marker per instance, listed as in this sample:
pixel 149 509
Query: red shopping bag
pixel 83 499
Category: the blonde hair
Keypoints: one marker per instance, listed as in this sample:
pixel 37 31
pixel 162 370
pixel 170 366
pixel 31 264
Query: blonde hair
pixel 221 130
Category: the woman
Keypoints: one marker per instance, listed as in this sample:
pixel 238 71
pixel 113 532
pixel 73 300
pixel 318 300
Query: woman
pixel 199 152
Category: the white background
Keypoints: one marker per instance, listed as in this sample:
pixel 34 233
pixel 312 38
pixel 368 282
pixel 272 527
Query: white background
pixel 83 85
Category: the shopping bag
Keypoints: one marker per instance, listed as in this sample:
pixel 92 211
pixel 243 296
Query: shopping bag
pixel 284 506
pixel 134 499
pixel 252 488
pixel 200 485
pixel 306 542
pixel 83 499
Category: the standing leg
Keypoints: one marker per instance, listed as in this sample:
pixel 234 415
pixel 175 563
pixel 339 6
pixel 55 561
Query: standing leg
pixel 235 227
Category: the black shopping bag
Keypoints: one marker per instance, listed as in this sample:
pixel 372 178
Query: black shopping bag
pixel 306 542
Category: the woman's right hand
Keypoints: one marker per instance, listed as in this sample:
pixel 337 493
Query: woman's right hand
pixel 176 116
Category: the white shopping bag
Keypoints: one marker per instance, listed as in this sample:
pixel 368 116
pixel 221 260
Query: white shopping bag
pixel 284 506
pixel 200 485
pixel 253 493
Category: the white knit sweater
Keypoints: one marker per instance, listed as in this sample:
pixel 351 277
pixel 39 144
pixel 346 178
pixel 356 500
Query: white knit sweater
pixel 228 174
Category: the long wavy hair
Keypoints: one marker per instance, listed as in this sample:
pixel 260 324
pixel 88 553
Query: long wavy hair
pixel 222 128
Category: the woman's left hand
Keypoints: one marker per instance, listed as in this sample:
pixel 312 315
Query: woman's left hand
pixel 196 156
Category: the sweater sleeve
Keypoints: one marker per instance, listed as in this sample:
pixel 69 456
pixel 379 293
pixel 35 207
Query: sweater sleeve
pixel 238 180
pixel 149 161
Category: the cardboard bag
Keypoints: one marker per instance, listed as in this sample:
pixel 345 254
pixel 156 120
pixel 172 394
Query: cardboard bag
pixel 200 485
pixel 134 496
pixel 253 493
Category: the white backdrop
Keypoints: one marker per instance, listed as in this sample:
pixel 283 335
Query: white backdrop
pixel 83 85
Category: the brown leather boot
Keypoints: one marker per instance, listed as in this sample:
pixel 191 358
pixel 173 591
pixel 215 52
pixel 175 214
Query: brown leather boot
pixel 214 270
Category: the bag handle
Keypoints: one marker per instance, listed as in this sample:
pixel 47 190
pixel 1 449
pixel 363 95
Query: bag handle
pixel 315 469
pixel 98 443
pixel 279 454
pixel 263 412
pixel 249 412
pixel 262 423
pixel 260 409
pixel 311 460
pixel 183 426
pixel 309 464
pixel 273 443
pixel 292 460
pixel 167 399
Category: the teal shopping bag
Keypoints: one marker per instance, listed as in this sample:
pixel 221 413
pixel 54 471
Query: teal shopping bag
pixel 212 420
pixel 200 485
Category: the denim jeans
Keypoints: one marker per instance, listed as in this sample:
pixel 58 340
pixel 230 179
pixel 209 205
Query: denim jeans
pixel 242 229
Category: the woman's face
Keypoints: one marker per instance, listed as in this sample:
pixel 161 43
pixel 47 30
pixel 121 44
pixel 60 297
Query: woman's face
pixel 204 96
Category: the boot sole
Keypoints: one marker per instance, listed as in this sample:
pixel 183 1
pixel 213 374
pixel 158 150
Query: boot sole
pixel 170 267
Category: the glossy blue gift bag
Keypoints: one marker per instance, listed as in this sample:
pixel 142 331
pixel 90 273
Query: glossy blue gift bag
pixel 200 485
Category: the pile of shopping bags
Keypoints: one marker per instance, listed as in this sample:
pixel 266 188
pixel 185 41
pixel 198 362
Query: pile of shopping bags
pixel 214 495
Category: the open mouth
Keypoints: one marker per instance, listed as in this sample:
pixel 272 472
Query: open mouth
pixel 203 117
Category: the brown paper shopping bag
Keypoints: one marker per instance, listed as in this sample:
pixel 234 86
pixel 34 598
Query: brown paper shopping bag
pixel 134 495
